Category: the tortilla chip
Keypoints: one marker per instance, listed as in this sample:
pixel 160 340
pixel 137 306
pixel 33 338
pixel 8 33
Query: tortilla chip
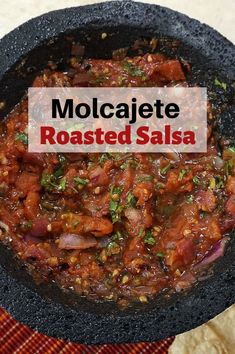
pixel 215 337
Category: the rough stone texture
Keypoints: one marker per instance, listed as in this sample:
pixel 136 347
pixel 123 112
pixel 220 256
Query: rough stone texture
pixel 46 308
pixel 210 12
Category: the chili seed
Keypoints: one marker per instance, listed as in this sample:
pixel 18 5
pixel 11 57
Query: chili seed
pixel 143 298
pixel 125 279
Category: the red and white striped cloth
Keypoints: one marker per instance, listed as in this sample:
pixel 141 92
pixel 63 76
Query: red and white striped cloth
pixel 16 338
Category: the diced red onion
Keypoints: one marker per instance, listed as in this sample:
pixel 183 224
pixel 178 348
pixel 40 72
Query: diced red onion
pixel 228 223
pixel 39 227
pixel 144 290
pixel 133 215
pixel 230 205
pixel 185 281
pixel 81 78
pixel 215 252
pixel 34 158
pixel 98 176
pixel 76 242
pixel 103 242
pixel 173 156
pixel 218 162
pixel 29 237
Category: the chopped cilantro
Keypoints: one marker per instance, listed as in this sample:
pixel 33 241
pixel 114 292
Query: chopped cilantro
pixel 75 224
pixel 47 181
pixel 115 190
pixel 104 157
pixel 182 174
pixel 160 185
pixel 196 180
pixel 160 254
pixel 228 167
pixel 59 172
pixel 116 216
pixel 22 137
pixel 165 169
pixel 202 214
pixel 232 149
pixel 62 184
pixel 61 159
pixel 101 79
pixel 126 164
pixel 29 224
pixel 145 178
pixel 112 244
pixel 131 200
pixel 219 182
pixel 113 247
pixel 149 239
pixel 80 181
pixel 115 210
pixel 141 232
pixel 190 198
pixel 132 69
pixel 117 236
pixel 113 205
pixel 221 84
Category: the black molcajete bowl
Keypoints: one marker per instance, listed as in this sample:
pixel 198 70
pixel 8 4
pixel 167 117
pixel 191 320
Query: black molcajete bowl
pixel 24 52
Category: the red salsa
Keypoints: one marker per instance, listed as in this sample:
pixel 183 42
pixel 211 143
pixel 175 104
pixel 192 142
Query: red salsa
pixel 119 227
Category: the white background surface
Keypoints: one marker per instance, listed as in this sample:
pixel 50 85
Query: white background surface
pixel 219 14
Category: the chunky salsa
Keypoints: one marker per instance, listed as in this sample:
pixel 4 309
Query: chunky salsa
pixel 119 227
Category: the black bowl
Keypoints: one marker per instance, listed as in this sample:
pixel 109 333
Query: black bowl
pixel 24 52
